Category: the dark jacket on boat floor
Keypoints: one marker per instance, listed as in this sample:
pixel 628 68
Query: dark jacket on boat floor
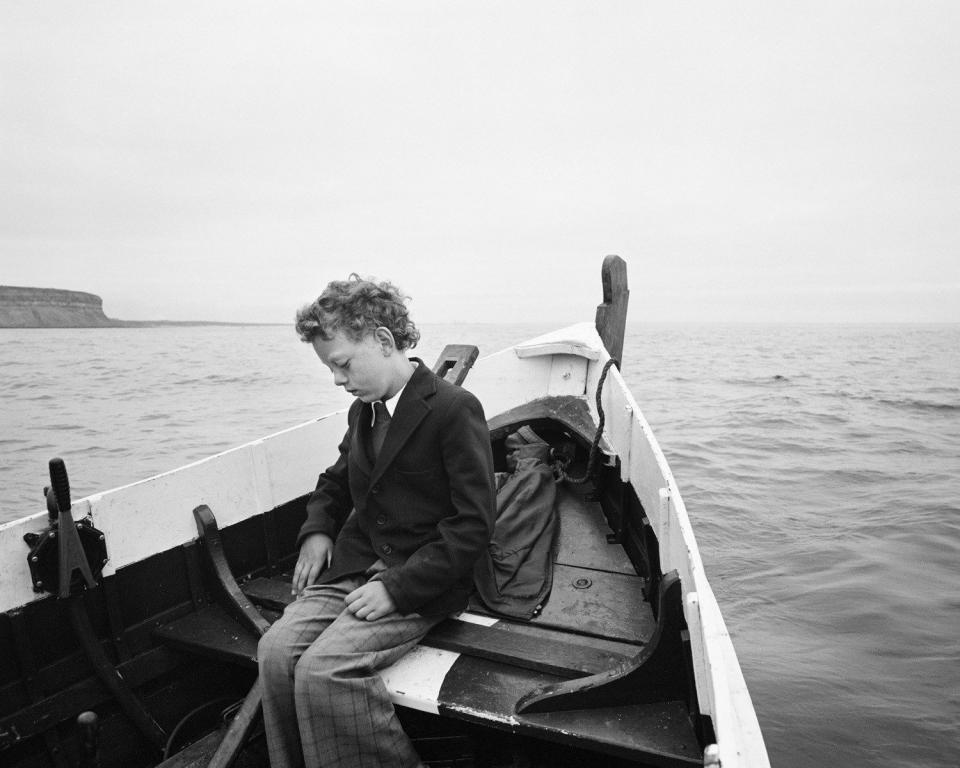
pixel 515 575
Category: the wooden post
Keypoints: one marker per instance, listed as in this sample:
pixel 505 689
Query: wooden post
pixel 612 313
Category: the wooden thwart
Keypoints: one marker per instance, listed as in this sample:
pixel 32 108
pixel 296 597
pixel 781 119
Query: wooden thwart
pixel 213 633
pixel 540 654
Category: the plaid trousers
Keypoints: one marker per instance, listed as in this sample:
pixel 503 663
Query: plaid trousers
pixel 324 705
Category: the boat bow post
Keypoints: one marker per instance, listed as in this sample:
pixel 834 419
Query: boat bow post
pixel 611 319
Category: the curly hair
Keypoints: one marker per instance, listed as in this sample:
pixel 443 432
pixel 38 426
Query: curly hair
pixel 358 306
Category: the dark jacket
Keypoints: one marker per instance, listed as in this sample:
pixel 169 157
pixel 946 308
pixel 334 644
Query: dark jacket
pixel 514 576
pixel 426 508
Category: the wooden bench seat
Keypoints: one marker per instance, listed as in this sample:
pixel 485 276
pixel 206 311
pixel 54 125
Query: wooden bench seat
pixel 212 632
pixel 530 646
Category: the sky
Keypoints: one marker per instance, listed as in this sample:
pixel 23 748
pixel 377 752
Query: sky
pixel 751 161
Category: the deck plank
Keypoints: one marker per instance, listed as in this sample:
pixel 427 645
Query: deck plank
pixel 583 536
pixel 607 605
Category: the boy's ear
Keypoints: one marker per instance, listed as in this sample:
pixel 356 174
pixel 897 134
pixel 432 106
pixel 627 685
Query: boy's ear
pixel 385 339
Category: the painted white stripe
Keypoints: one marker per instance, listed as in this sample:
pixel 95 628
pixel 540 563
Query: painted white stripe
pixel 415 680
pixel 476 618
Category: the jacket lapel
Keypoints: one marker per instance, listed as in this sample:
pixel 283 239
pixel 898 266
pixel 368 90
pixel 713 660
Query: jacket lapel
pixel 411 409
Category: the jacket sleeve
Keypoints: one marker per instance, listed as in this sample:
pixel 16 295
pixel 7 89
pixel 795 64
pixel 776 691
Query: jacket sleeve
pixel 462 535
pixel 331 502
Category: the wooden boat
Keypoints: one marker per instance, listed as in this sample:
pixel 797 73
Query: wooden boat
pixel 130 617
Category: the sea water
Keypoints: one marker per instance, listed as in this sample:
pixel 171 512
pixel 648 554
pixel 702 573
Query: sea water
pixel 820 465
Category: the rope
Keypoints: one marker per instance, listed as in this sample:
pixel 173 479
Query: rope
pixel 596 438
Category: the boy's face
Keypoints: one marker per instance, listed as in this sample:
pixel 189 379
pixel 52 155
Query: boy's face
pixel 363 368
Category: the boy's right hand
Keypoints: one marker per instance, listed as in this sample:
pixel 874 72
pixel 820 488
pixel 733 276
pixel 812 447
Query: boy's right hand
pixel 315 553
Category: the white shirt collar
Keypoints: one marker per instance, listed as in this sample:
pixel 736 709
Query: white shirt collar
pixel 391 404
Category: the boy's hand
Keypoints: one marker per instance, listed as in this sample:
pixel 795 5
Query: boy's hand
pixel 315 554
pixel 370 601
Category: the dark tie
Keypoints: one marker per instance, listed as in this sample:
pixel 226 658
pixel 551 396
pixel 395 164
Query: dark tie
pixel 381 423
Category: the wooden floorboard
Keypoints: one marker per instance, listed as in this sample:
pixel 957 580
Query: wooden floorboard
pixel 594 603
pixel 598 603
pixel 583 535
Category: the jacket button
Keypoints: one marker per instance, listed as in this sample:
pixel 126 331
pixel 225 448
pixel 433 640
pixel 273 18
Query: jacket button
pixel 386 549
pixel 381 519
pixel 375 490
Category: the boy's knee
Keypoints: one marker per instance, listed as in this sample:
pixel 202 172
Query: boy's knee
pixel 274 653
pixel 313 678
pixel 328 664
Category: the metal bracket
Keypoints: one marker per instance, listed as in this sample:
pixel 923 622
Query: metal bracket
pixel 69 555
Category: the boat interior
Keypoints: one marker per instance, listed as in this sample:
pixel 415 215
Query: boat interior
pixel 599 676
pixel 155 663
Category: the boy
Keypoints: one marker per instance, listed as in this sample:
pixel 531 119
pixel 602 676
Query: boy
pixel 393 530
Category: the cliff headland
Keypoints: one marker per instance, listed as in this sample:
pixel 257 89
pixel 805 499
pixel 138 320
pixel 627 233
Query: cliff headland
pixel 56 308
pixel 51 308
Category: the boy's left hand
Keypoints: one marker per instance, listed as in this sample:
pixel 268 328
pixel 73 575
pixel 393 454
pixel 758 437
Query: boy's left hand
pixel 370 601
